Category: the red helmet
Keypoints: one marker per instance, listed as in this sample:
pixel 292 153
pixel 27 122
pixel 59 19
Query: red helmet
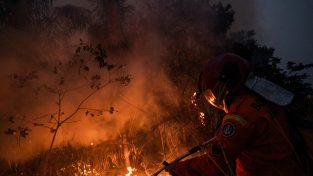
pixel 221 76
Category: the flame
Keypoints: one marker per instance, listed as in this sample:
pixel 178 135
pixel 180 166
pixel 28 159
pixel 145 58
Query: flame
pixel 218 103
pixel 130 171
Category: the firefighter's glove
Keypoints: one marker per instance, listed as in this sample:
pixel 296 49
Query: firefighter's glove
pixel 172 169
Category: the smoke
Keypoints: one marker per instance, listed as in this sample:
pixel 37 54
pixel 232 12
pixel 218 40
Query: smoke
pixel 162 44
pixel 28 60
pixel 29 56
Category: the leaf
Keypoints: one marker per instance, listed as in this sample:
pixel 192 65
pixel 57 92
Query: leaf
pixel 100 56
pixel 78 50
pixel 86 68
pixel 98 52
pixel 111 110
pixel 10 131
pixel 96 77
pixel 98 86
pixel 124 80
pixel 110 67
pixel 11 119
pixel 37 124
pixel 24 132
pixel 55 70
pixel 62 80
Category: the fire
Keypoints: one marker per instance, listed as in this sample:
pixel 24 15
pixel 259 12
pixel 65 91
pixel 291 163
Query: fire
pixel 216 101
pixel 130 171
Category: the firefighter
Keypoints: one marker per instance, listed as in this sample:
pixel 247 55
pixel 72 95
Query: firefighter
pixel 253 138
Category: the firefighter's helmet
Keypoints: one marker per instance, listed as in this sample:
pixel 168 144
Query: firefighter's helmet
pixel 222 76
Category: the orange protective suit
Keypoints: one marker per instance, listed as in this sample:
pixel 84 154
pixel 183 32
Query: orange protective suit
pixel 250 138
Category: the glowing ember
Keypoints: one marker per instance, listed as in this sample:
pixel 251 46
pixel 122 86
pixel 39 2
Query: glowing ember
pixel 194 99
pixel 130 171
pixel 202 118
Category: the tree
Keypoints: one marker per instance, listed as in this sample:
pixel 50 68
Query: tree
pixel 96 78
pixel 22 15
pixel 109 22
pixel 266 65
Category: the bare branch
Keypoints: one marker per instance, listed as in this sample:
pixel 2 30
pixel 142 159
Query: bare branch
pixel 84 100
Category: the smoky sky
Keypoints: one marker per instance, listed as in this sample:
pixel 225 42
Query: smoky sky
pixel 285 25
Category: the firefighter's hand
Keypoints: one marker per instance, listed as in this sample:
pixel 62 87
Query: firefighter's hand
pixel 171 169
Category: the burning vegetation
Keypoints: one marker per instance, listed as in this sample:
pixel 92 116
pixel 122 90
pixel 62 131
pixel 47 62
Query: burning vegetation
pixel 105 89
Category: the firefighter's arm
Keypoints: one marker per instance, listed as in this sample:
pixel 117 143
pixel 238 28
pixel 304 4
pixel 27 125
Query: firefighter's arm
pixel 232 138
pixel 202 165
pixel 234 135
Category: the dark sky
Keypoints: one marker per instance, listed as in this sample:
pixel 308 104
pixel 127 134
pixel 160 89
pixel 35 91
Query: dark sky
pixel 286 25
